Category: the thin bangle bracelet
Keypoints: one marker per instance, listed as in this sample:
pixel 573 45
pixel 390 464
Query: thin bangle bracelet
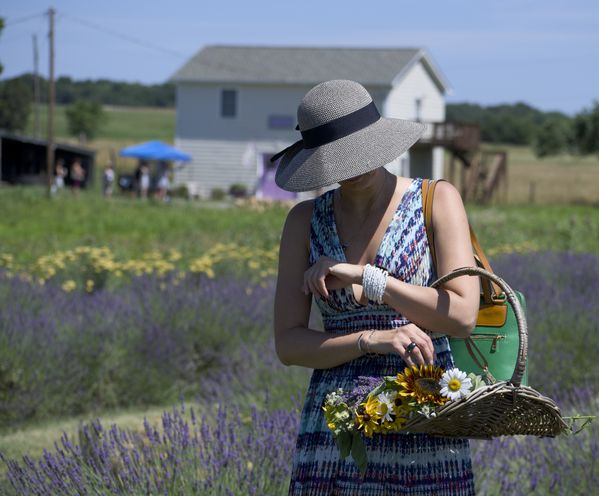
pixel 360 342
pixel 367 343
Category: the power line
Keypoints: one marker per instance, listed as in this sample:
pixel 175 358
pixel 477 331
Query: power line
pixel 123 36
pixel 23 19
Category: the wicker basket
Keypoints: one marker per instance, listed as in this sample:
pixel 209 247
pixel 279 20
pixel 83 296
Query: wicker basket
pixel 504 408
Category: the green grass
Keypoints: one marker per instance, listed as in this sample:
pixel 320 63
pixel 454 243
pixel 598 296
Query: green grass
pixel 130 124
pixel 33 438
pixel 32 226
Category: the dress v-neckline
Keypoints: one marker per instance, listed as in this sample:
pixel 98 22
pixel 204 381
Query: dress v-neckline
pixel 337 239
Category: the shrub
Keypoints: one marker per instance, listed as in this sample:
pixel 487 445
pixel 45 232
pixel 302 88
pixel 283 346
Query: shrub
pixel 217 194
pixel 238 190
pixel 179 191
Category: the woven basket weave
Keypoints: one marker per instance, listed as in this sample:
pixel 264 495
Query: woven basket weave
pixel 504 408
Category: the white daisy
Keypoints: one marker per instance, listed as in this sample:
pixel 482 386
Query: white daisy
pixel 455 384
pixel 386 405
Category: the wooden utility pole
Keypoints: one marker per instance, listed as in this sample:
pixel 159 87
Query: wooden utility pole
pixel 36 88
pixel 51 98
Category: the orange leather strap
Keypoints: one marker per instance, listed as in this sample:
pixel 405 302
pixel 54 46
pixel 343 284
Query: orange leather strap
pixel 491 291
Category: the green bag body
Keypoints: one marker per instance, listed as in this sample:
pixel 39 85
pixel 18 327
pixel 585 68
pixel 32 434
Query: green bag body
pixel 498 346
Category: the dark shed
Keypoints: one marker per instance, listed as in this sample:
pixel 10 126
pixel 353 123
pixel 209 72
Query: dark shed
pixel 23 160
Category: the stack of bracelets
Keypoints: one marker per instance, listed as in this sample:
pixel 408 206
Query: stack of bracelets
pixel 374 282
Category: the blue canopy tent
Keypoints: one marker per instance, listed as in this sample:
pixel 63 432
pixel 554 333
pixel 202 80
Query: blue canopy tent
pixel 155 150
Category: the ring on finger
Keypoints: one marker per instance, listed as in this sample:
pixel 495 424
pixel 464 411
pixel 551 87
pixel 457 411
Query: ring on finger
pixel 410 347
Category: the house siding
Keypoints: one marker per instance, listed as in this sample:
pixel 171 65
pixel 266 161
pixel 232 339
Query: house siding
pixel 401 104
pixel 417 83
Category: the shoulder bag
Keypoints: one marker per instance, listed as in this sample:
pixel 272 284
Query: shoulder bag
pixel 492 348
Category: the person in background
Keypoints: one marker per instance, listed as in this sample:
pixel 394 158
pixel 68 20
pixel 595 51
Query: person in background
pixel 144 180
pixel 163 180
pixel 108 180
pixel 77 176
pixel 60 173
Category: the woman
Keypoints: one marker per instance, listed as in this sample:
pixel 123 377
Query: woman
pixel 77 176
pixel 377 325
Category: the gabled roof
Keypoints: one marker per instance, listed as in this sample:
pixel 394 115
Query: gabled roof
pixel 303 65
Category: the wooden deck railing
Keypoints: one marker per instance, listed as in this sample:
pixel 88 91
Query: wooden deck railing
pixel 456 136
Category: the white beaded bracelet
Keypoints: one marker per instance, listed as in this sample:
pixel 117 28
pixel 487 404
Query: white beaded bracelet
pixel 374 282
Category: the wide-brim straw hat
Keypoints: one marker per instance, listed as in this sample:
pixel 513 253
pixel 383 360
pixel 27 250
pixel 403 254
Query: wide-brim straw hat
pixel 343 136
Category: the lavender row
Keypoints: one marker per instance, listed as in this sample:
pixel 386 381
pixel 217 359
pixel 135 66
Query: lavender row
pixel 239 367
pixel 224 452
pixel 147 343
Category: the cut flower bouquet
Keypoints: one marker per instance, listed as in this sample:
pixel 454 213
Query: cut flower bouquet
pixel 380 406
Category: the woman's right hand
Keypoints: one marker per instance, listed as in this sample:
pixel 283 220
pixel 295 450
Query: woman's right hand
pixel 395 341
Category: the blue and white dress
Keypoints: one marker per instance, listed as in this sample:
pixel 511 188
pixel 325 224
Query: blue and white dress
pixel 398 464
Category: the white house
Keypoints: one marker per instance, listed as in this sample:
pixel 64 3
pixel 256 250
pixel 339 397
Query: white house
pixel 236 107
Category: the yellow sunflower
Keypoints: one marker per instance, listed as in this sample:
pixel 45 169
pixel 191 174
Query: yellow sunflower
pixel 422 384
pixel 367 416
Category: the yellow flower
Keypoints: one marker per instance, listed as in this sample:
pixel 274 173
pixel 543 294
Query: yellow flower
pixel 367 417
pixel 69 285
pixel 89 285
pixel 422 384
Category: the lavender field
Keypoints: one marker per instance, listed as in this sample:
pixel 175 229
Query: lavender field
pixel 204 345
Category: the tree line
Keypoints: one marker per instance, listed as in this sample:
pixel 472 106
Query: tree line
pixel 549 133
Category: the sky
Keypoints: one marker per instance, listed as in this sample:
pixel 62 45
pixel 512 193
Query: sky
pixel 544 53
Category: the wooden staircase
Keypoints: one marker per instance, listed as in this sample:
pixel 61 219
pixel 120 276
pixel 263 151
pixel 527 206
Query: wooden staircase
pixel 482 174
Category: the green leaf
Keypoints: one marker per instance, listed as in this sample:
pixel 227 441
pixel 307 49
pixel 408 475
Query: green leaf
pixel 344 443
pixel 477 381
pixel 358 453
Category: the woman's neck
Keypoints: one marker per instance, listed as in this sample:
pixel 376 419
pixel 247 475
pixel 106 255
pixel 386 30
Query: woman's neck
pixel 361 194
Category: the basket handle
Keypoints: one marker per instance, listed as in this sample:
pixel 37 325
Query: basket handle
pixel 513 301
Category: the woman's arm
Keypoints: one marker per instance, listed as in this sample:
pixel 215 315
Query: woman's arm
pixel 295 343
pixel 451 309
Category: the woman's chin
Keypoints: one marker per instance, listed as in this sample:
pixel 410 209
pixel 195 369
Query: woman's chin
pixel 361 179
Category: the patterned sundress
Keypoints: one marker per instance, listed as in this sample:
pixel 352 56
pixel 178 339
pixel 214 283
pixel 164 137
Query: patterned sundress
pixel 398 463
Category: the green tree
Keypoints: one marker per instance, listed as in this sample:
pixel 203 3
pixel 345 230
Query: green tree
pixel 84 119
pixel 552 137
pixel 15 104
pixel 585 130
pixel 15 101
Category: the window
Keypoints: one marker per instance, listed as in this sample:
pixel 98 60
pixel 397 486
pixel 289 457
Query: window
pixel 418 103
pixel 280 122
pixel 228 103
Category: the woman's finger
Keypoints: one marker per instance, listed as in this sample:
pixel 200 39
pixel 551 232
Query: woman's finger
pixel 416 355
pixel 322 287
pixel 425 350
pixel 312 288
pixel 424 342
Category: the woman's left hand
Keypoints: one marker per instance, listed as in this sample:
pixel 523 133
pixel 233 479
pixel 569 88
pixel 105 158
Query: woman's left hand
pixel 328 273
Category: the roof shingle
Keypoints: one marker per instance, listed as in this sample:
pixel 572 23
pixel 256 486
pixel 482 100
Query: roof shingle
pixel 295 65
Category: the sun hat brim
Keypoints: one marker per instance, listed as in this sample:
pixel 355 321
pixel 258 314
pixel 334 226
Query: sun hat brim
pixel 357 153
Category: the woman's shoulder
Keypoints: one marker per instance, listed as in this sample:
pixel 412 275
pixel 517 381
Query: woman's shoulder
pixel 446 196
pixel 301 212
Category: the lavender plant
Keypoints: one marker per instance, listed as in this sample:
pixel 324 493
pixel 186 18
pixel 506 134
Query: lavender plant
pixel 212 339
pixel 148 343
pixel 225 452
